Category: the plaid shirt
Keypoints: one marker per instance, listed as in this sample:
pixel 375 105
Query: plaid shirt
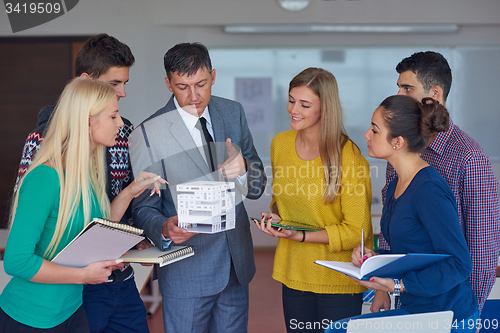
pixel 467 169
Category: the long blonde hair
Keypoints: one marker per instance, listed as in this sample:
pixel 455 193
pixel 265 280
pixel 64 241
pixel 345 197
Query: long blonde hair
pixel 66 149
pixel 332 135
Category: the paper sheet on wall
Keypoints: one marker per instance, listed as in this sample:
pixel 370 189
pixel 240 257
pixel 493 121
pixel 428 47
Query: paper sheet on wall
pixel 255 94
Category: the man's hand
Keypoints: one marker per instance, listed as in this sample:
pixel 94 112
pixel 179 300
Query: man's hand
pixel 235 165
pixel 176 234
pixel 143 244
pixel 381 301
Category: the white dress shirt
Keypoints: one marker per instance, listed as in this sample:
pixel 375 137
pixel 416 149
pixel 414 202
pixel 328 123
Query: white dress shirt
pixel 190 122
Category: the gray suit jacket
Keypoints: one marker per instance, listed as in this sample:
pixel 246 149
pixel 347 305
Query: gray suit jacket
pixel 162 144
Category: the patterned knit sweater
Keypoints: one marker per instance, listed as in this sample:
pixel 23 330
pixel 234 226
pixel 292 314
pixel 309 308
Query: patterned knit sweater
pixel 298 187
pixel 119 171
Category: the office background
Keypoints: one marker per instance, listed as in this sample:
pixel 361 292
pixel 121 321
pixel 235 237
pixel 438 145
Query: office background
pixel 467 32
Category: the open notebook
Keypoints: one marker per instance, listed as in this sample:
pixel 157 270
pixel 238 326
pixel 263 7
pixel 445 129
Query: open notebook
pixel 99 240
pixel 385 265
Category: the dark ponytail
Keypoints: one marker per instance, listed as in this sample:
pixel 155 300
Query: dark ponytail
pixel 417 122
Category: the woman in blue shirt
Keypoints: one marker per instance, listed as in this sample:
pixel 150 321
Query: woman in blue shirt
pixel 419 216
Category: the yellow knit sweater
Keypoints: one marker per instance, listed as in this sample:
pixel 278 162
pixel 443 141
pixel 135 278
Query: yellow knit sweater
pixel 298 187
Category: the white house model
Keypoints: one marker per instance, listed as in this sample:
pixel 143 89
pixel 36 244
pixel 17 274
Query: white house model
pixel 206 207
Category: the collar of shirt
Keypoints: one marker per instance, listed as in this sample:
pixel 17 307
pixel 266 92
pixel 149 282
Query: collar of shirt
pixel 439 143
pixel 191 120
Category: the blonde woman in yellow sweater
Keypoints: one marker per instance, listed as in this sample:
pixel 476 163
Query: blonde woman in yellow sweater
pixel 320 179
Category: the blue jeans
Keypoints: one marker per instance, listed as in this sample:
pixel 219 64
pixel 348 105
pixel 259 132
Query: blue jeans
pixel 77 323
pixel 115 308
pixel 457 327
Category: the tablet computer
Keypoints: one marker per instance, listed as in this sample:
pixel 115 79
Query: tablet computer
pixel 294 226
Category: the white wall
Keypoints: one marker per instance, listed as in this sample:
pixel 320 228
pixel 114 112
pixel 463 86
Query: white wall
pixel 150 28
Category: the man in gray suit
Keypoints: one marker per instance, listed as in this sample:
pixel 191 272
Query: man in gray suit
pixel 208 291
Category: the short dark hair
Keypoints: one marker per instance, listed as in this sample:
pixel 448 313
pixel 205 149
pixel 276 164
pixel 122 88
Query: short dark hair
pixel 431 68
pixel 416 122
pixel 100 53
pixel 186 58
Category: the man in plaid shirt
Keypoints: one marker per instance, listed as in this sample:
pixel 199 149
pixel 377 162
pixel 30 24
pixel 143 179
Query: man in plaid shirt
pixel 464 165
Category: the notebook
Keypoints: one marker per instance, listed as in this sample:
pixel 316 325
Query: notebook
pixel 155 256
pixel 99 240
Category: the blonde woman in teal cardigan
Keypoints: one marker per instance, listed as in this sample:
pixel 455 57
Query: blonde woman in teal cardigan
pixel 62 191
pixel 320 179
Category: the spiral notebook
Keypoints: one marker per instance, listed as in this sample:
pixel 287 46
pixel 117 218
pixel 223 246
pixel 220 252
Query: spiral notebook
pixel 99 240
pixel 153 255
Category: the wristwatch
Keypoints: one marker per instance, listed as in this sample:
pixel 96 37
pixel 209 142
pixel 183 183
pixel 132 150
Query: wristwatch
pixel 397 288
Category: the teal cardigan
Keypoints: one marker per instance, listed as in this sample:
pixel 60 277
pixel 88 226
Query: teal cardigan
pixel 34 304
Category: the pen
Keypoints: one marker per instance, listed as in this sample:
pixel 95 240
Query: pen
pixel 362 244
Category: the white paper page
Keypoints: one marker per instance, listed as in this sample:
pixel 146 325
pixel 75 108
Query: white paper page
pixel 97 244
pixel 375 262
pixel 344 267
pixel 368 266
